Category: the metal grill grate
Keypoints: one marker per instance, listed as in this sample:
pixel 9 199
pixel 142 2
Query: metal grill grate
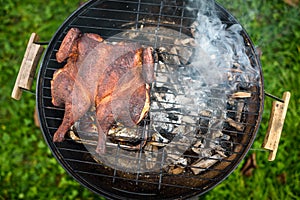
pixel 157 24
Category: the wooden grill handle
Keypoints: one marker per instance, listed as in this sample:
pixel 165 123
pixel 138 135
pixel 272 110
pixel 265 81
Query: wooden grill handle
pixel 276 122
pixel 27 70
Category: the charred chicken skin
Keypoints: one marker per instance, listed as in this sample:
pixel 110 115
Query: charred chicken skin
pixel 114 78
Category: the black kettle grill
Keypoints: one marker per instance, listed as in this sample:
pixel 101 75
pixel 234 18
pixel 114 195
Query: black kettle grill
pixel 156 23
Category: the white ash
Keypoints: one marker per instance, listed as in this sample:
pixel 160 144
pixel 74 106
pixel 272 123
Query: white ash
pixel 202 164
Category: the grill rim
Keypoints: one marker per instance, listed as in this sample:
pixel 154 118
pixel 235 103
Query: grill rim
pixel 54 149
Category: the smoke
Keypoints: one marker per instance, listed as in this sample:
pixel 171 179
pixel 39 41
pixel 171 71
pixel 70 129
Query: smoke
pixel 218 48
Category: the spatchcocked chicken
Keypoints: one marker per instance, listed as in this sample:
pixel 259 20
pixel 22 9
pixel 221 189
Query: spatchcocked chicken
pixel 112 77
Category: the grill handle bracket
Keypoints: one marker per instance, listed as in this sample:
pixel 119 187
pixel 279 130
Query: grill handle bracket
pixel 28 67
pixel 276 123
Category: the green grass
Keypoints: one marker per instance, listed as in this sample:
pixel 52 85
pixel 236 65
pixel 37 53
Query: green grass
pixel 28 169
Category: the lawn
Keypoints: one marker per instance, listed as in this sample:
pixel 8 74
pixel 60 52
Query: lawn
pixel 28 169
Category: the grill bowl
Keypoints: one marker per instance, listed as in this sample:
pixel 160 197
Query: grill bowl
pixel 110 19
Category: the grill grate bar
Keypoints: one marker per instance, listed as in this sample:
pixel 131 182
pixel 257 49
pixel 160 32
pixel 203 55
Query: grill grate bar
pixel 152 130
pixel 149 22
pixel 141 181
pixel 138 14
pixel 134 193
pixel 225 69
pixel 47 98
pixel 209 98
pixel 161 170
pixel 161 162
pixel 228 110
pixel 54 108
pixel 104 19
pixel 54 118
pixel 182 19
pixel 93 143
pixel 206 89
pixel 141 13
pixel 142 139
pixel 197 126
pixel 117 157
pixel 173 103
pixel 116 38
pixel 147 182
pixel 137 180
pixel 147 4
pixel 51 69
pixel 74 150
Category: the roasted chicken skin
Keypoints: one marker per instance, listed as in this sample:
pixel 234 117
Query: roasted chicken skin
pixel 114 78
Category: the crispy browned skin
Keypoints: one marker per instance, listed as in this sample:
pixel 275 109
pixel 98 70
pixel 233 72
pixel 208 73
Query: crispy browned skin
pixel 75 47
pixel 66 86
pixel 121 94
pixel 67 44
pixel 109 77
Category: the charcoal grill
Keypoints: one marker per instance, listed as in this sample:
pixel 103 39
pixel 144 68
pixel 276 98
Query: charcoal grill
pixel 157 24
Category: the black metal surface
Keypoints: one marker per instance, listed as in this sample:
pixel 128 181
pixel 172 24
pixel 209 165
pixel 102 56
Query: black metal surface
pixel 109 19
